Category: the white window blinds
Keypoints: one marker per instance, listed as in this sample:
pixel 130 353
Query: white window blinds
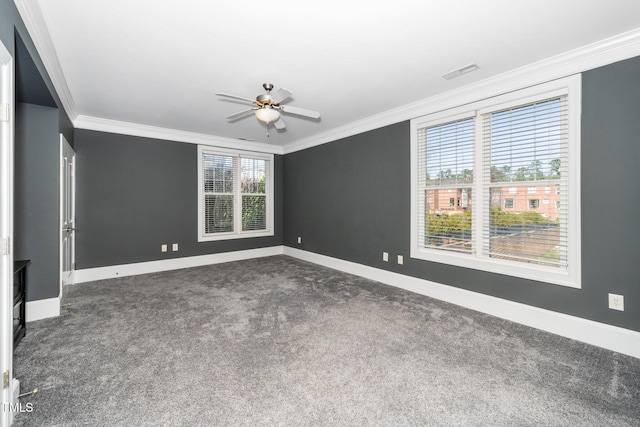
pixel 525 151
pixel 254 176
pixel 219 178
pixel 445 181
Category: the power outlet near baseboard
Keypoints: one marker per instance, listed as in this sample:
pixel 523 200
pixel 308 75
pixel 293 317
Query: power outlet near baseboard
pixel 616 302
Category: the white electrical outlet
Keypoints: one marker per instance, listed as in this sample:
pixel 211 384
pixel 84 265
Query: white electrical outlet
pixel 385 256
pixel 299 239
pixel 400 259
pixel 616 302
pixel 175 247
pixel 163 248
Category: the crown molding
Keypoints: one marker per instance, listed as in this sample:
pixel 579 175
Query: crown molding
pixel 613 49
pixel 146 131
pixel 37 29
pixel 617 48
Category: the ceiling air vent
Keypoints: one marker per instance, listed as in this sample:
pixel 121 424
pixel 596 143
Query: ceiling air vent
pixel 460 71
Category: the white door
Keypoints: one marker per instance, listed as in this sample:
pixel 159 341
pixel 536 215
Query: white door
pixel 67 215
pixel 6 234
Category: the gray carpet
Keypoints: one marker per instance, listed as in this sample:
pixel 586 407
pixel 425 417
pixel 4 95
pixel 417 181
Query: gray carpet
pixel 278 341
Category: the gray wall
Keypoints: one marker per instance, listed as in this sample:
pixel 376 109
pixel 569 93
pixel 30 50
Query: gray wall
pixel 36 146
pixel 37 211
pixel 135 194
pixel 350 199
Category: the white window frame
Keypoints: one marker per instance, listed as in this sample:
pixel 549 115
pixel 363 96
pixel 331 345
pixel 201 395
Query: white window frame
pixel 571 276
pixel 237 233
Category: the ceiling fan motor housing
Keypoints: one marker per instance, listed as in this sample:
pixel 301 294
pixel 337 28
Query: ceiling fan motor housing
pixel 265 99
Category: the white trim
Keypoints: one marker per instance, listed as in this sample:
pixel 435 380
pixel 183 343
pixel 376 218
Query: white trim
pixel 42 309
pixel 34 22
pixel 613 338
pixel 237 232
pixel 6 226
pixel 617 48
pixel 572 276
pixel 114 271
pixel 146 131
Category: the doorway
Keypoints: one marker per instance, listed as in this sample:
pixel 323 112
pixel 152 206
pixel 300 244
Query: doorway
pixel 67 215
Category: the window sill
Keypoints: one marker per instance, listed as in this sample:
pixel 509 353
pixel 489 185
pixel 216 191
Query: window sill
pixel 508 268
pixel 232 236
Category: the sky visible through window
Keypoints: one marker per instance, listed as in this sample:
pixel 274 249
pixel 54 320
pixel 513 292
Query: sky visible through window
pixel 526 142
pixel 450 153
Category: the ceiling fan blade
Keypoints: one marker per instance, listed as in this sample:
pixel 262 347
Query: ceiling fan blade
pixel 300 111
pixel 240 114
pixel 236 97
pixel 279 124
pixel 280 95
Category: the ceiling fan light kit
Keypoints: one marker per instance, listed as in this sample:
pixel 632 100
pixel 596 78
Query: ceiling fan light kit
pixel 267 114
pixel 267 107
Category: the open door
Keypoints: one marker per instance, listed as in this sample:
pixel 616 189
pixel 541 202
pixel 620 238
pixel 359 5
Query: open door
pixel 8 390
pixel 67 215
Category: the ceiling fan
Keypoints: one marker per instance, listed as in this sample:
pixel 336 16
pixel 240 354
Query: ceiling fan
pixel 267 107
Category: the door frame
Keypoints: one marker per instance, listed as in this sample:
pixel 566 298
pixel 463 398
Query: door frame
pixel 67 278
pixel 6 233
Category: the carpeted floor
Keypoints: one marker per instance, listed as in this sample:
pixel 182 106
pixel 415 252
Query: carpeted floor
pixel 278 341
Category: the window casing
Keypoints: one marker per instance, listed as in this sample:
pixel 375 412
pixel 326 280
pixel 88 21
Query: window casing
pixel 522 143
pixel 235 194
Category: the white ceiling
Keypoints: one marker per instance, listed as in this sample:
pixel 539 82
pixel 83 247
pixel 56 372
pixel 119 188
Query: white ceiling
pixel 159 63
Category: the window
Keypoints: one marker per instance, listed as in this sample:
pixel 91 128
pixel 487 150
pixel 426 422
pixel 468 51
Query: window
pixel 235 192
pixel 508 145
pixel 447 156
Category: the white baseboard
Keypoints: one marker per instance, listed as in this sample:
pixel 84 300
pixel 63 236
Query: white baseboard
pixel 42 309
pixel 613 338
pixel 111 272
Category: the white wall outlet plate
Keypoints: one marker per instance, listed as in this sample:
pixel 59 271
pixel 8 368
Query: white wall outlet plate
pixel 299 239
pixel 175 247
pixel 400 259
pixel 616 302
pixel 163 248
pixel 385 256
